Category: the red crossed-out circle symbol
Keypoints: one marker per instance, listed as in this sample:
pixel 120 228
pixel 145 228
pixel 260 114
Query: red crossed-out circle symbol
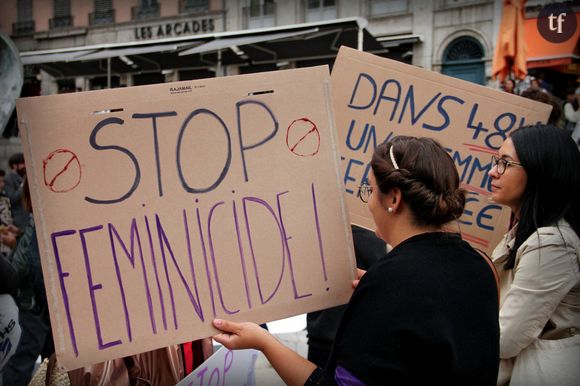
pixel 62 171
pixel 303 138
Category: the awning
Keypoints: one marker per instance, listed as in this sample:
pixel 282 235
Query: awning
pixel 396 40
pixel 305 44
pixel 53 58
pixel 543 53
pixel 222 43
pixel 128 51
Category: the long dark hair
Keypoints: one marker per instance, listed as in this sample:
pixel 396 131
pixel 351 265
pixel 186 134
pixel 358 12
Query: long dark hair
pixel 552 163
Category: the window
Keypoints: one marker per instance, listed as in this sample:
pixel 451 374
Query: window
pixel 451 3
pixel 318 10
pixel 24 10
pixel 62 17
pixel 104 13
pixel 147 9
pixel 25 22
pixel 260 13
pixel 463 59
pixel 383 7
pixel 462 49
pixel 194 5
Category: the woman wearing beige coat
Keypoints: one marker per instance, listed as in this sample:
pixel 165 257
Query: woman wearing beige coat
pixel 537 174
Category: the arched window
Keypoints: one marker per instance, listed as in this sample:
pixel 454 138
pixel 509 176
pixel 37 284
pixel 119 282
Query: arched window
pixel 463 58
pixel 463 48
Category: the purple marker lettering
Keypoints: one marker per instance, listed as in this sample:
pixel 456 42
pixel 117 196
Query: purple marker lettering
pixel 196 305
pixel 269 208
pixel 163 244
pixel 161 236
pixel 286 238
pixel 156 273
pixel 201 375
pixel 243 261
pixel 119 279
pixel 131 257
pixel 251 378
pixel 212 254
pixel 227 365
pixel 206 262
pixel 94 287
pixel 318 233
pixel 61 276
pixel 215 371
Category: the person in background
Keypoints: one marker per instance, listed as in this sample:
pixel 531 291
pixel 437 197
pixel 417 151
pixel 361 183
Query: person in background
pixel 427 312
pixel 322 325
pixel 549 99
pixel 5 209
pixel 13 186
pixel 509 86
pixel 536 174
pixel 8 231
pixel 9 326
pixel 535 85
pixel 36 336
pixel 572 113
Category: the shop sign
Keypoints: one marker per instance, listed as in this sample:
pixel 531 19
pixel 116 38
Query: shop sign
pixel 177 28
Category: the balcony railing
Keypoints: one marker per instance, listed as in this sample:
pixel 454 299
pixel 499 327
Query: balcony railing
pixel 143 13
pixel 261 15
pixel 192 6
pixel 60 22
pixel 102 17
pixel 23 27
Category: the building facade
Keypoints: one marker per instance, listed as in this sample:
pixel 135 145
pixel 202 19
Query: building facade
pixel 77 45
pixel 451 36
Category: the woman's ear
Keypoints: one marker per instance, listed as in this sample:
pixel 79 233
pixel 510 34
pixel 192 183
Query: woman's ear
pixel 395 199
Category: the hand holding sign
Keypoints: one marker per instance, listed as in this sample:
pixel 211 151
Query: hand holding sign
pixel 236 336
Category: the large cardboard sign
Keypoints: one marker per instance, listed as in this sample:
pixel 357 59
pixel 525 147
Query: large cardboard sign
pixel 375 99
pixel 161 207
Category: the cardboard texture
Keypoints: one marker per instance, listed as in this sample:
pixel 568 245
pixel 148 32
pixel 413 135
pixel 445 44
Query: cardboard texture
pixel 161 207
pixel 225 367
pixel 375 99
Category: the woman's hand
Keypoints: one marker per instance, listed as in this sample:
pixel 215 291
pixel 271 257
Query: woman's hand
pixel 359 275
pixel 241 335
pixel 292 368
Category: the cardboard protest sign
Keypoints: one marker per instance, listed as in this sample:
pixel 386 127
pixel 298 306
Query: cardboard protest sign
pixel 375 99
pixel 161 207
pixel 225 367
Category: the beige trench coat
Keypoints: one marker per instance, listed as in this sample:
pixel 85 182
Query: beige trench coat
pixel 540 306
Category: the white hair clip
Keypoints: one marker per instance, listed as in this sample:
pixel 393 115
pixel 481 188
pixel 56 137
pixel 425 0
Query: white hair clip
pixel 393 158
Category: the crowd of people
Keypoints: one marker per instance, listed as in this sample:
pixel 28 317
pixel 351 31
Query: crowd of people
pixel 22 271
pixel 565 114
pixel 430 310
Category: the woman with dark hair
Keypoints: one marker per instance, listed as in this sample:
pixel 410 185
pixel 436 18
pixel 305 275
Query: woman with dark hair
pixel 509 86
pixel 426 313
pixel 537 174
